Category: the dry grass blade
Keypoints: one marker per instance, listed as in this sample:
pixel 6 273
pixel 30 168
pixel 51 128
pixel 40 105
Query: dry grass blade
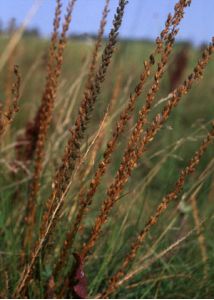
pixel 62 178
pixel 66 229
pixel 173 195
pixel 151 260
pixel 6 117
pixel 17 36
pixel 201 237
pixel 98 44
pixel 44 116
pixel 166 36
pixel 132 155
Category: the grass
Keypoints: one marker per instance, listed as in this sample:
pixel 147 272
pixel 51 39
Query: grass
pixel 174 258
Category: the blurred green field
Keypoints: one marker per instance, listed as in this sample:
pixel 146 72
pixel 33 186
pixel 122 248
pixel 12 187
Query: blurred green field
pixel 180 274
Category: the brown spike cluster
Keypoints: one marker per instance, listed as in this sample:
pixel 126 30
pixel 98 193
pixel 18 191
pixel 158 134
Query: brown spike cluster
pixel 54 38
pixel 72 150
pixel 98 44
pixel 46 110
pixel 173 195
pixel 6 117
pixel 132 155
pixel 25 152
pixel 68 278
pixel 65 282
pixel 90 98
pixel 124 117
pixel 93 63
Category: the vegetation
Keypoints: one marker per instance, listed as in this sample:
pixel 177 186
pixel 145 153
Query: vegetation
pixel 106 164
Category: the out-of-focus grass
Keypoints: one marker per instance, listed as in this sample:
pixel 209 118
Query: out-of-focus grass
pixel 179 274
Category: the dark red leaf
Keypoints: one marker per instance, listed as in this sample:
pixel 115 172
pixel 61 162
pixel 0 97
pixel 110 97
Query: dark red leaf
pixel 79 285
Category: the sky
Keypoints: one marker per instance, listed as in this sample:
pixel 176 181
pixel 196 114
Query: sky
pixel 143 18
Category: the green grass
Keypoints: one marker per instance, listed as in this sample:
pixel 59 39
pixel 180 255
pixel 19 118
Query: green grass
pixel 177 275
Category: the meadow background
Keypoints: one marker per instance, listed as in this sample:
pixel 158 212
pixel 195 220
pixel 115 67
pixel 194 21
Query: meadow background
pixel 187 271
